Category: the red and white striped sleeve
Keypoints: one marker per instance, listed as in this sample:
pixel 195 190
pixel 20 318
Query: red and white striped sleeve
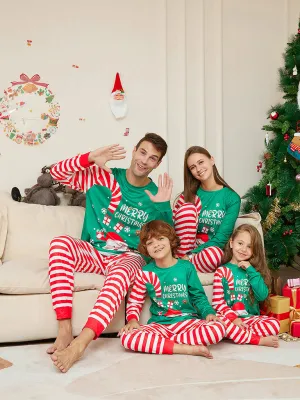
pixel 79 174
pixel 180 201
pixel 137 298
pixel 218 301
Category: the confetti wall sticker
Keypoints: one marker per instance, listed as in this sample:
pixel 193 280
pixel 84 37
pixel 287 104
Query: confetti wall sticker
pixel 126 133
pixel 81 119
pixel 75 66
pixel 29 43
pixel 30 113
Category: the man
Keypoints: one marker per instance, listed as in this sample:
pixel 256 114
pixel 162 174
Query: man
pixel 118 203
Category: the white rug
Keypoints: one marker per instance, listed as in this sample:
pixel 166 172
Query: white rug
pixel 109 372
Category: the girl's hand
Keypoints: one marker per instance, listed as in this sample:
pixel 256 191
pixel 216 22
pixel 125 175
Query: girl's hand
pixel 212 317
pixel 244 264
pixel 239 322
pixel 132 324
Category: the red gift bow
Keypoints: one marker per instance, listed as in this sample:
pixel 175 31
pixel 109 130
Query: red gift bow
pixel 25 79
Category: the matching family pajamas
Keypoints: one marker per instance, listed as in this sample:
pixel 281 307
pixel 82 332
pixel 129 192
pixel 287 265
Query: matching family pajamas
pixel 205 227
pixel 115 213
pixel 231 299
pixel 178 301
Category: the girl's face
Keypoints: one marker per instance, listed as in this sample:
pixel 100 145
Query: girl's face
pixel 241 247
pixel 158 247
pixel 200 166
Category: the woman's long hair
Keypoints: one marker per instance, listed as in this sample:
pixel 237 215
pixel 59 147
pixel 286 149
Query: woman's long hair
pixel 257 260
pixel 191 184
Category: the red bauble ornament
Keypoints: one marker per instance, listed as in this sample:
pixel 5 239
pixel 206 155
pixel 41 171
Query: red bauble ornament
pixel 286 136
pixel 299 30
pixel 274 115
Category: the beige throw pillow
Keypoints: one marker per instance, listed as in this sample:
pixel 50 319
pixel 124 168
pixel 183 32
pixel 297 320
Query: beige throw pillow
pixel 3 229
pixel 251 219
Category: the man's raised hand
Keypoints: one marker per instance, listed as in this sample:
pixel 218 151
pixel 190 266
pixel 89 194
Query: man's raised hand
pixel 104 154
pixel 165 186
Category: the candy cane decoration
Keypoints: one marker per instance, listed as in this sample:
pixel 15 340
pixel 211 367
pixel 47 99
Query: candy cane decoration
pixel 116 195
pixel 152 278
pixel 227 274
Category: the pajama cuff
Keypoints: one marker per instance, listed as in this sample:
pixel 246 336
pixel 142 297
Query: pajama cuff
pixel 131 316
pixel 84 160
pixel 95 326
pixel 168 346
pixel 255 340
pixel 63 313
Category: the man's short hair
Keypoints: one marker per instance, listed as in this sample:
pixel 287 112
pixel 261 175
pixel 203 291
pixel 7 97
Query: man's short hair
pixel 158 142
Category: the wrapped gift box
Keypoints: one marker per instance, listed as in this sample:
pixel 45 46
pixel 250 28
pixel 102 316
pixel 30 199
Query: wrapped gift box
pixel 295 328
pixel 294 294
pixel 280 309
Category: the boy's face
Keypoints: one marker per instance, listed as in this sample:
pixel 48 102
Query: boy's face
pixel 145 159
pixel 158 247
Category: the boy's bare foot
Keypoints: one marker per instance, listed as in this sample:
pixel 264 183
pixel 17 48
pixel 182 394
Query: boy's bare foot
pixel 198 350
pixel 64 337
pixel 270 341
pixel 64 359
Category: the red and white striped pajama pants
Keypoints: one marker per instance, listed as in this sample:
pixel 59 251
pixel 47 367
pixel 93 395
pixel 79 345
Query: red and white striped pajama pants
pixel 160 339
pixel 257 327
pixel 186 218
pixel 68 255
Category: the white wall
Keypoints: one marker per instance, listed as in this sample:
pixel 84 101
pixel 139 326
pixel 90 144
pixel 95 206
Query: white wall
pixel 196 71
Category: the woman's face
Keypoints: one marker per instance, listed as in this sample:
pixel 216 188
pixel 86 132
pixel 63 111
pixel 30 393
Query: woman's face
pixel 200 166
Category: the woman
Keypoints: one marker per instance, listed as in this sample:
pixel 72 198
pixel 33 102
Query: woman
pixel 205 213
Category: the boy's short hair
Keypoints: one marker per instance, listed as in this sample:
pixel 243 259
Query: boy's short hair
pixel 158 142
pixel 156 229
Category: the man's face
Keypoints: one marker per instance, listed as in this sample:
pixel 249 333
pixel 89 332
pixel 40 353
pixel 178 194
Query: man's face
pixel 145 159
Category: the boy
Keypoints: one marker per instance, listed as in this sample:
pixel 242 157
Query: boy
pixel 177 301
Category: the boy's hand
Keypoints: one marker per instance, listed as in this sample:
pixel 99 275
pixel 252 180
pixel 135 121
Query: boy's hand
pixel 244 264
pixel 212 317
pixel 104 154
pixel 239 322
pixel 132 324
pixel 164 192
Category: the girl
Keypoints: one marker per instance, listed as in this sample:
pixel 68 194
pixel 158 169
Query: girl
pixel 240 284
pixel 174 288
pixel 205 213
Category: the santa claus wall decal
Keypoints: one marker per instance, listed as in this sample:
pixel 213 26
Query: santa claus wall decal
pixel 118 100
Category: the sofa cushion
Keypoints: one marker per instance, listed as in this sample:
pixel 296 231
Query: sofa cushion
pixel 251 219
pixel 31 227
pixel 3 229
pixel 31 277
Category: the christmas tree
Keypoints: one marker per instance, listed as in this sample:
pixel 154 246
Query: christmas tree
pixel 277 195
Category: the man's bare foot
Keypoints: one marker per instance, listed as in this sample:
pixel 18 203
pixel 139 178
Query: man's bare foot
pixel 64 337
pixel 270 341
pixel 198 350
pixel 64 359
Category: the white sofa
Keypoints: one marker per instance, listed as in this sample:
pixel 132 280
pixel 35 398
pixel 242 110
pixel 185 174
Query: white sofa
pixel 25 301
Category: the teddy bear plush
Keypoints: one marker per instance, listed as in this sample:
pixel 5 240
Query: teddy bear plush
pixel 77 198
pixel 44 192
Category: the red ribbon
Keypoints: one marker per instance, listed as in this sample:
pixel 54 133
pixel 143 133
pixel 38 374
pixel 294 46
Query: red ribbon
pixel 35 79
pixel 280 317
